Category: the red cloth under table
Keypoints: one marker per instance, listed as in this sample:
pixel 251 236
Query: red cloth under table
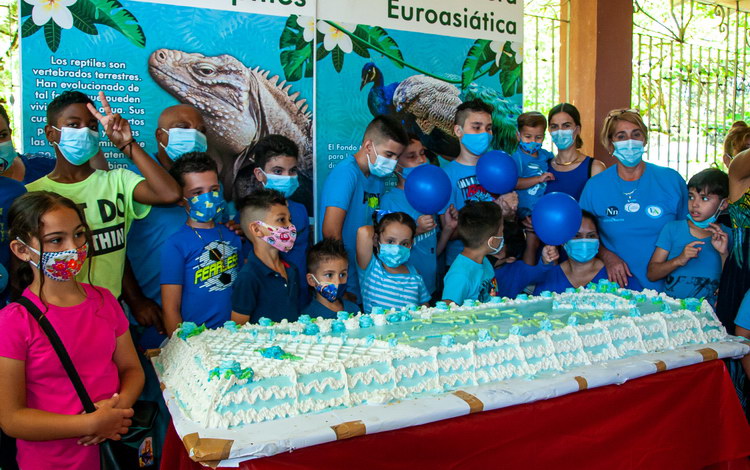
pixel 687 418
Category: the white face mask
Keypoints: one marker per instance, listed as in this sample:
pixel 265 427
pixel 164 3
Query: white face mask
pixel 382 167
pixel 499 246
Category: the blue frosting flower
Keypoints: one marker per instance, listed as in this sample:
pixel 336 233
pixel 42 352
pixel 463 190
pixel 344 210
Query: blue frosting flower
pixel 608 316
pixel 228 368
pixel 263 321
pixel 441 305
pixel 546 294
pixel 496 300
pixel 546 325
pixel 393 342
pixel 469 302
pixel 515 330
pixel 304 318
pixel 634 312
pixel 311 329
pixel 484 335
pixel 522 297
pixel 365 321
pixel 591 285
pixel 377 311
pixel 640 298
pixel 337 326
pixel 342 315
pixel 666 308
pixel 693 304
pixel 275 352
pixel 369 340
pixel 573 320
pixel 231 326
pixel 189 329
pixel 570 290
pixel 412 307
pixel 447 340
pixel 603 282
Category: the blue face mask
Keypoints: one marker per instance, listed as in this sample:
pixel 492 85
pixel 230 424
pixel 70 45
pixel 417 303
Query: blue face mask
pixel 7 154
pixel 78 145
pixel 707 222
pixel 330 292
pixel 205 207
pixel 629 152
pixel 286 185
pixel 562 139
pixel 530 147
pixel 406 171
pixel 393 256
pixel 182 141
pixel 582 250
pixel 477 144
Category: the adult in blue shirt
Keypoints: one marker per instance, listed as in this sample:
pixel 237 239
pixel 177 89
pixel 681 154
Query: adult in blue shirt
pixel 180 130
pixel 276 159
pixel 570 167
pixel 354 187
pixel 632 200
pixel 427 244
pixel 582 265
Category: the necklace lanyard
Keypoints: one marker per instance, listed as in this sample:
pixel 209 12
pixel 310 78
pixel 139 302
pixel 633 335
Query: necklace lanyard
pixel 215 251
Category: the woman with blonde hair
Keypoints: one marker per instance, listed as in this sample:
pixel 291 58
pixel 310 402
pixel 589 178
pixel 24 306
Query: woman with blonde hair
pixel 737 140
pixel 632 200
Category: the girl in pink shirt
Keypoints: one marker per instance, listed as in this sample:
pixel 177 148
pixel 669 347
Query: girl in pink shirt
pixel 38 404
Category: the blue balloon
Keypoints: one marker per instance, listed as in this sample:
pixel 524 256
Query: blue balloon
pixel 497 172
pixel 556 218
pixel 428 189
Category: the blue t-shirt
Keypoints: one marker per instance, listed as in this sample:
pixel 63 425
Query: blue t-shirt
pixel 424 250
pixel 513 278
pixel 464 187
pixel 743 314
pixel 37 165
pixel 555 280
pixel 383 289
pixel 10 189
pixel 315 309
pixel 529 166
pixel 699 278
pixel 570 182
pixel 467 279
pixel 206 267
pixel 298 254
pixel 349 189
pixel 259 291
pixel 629 225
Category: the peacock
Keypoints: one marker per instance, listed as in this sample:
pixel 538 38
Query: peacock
pixel 426 106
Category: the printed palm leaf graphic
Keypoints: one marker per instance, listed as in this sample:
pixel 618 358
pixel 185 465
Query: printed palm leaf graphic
pixel 296 52
pixel 55 16
pixel 482 60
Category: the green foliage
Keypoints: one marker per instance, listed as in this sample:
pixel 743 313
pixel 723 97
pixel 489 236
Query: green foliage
pixel 483 60
pixel 296 53
pixel 378 40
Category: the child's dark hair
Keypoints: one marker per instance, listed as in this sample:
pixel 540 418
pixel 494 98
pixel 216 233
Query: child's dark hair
pixel 62 101
pixel 25 223
pixel 384 128
pixel 588 215
pixel 325 250
pixel 192 162
pixel 572 111
pixel 382 219
pixel 710 181
pixel 271 146
pixel 478 221
pixel 255 205
pixel 531 119
pixel 472 106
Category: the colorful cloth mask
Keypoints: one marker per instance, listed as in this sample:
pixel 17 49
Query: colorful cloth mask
pixel 393 256
pixel 78 145
pixel 582 250
pixel 60 265
pixel 286 185
pixel 330 291
pixel 563 138
pixel 477 144
pixel 7 154
pixel 530 147
pixel 499 247
pixel 205 207
pixel 629 152
pixel 182 141
pixel 281 238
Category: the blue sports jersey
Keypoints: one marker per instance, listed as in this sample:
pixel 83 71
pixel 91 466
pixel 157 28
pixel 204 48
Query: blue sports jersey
pixel 631 214
pixel 424 250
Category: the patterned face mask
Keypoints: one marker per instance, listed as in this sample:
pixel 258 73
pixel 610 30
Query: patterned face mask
pixel 205 207
pixel 331 292
pixel 60 265
pixel 281 238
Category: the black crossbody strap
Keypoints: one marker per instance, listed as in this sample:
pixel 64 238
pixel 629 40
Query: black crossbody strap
pixel 62 353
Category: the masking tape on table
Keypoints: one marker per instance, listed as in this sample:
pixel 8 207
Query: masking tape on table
pixel 583 384
pixel 708 354
pixel 207 449
pixel 475 404
pixel 661 366
pixel 349 429
pixel 151 353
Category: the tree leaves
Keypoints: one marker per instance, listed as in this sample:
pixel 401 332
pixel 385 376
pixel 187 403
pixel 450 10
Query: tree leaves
pixel 86 15
pixel 296 53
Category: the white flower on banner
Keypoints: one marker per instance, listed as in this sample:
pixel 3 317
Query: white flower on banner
pixel 307 23
pixel 519 52
pixel 498 46
pixel 333 36
pixel 55 9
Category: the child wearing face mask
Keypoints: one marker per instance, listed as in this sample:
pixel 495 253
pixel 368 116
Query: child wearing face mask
pixel 276 159
pixel 328 266
pixel 582 265
pixel 38 404
pixel 690 253
pixel 111 200
pixel 532 161
pixel 266 286
pixel 199 262
pixel 471 276
pixel 383 250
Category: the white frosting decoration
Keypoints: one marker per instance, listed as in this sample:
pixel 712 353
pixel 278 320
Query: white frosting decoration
pixel 332 371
